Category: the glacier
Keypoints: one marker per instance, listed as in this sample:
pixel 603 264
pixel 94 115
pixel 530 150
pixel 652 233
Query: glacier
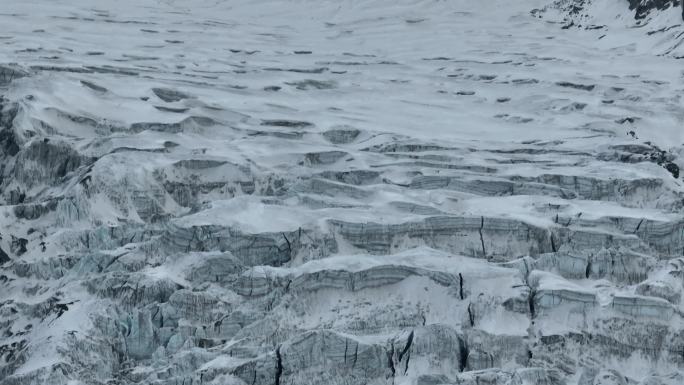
pixel 281 192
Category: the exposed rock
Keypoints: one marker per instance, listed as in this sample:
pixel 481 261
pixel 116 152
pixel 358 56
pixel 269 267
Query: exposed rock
pixel 644 7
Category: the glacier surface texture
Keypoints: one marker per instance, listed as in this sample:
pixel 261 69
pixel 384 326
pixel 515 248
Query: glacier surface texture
pixel 341 192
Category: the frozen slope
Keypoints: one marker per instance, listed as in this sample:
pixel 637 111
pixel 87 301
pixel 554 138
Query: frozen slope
pixel 341 192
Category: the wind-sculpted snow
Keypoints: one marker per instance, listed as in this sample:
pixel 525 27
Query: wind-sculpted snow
pixel 359 192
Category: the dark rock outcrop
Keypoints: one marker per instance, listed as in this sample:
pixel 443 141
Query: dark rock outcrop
pixel 643 7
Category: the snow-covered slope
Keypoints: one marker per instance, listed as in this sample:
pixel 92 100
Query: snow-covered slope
pixel 341 192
